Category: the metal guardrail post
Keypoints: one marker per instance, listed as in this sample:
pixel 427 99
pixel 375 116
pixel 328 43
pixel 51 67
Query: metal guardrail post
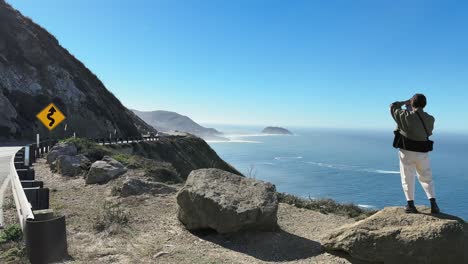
pixel 46 240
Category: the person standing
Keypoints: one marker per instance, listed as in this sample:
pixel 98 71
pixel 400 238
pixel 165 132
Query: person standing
pixel 412 138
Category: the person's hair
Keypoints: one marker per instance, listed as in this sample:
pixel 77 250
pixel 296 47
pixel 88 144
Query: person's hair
pixel 419 101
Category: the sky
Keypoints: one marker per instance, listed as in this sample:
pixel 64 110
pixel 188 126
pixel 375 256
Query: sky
pixel 328 63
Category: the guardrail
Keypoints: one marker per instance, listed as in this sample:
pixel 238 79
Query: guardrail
pixel 23 206
pixel 120 140
pixel 45 232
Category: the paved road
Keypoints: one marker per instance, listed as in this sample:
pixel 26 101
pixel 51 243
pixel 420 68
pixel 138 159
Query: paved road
pixel 5 158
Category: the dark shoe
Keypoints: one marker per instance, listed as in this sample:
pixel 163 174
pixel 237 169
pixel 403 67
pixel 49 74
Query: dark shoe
pixel 410 208
pixel 434 207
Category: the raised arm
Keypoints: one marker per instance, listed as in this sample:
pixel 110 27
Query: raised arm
pixel 398 114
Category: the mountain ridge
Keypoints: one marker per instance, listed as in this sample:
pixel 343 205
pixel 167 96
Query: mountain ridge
pixel 36 70
pixel 166 121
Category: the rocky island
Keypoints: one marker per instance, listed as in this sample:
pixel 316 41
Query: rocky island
pixel 276 131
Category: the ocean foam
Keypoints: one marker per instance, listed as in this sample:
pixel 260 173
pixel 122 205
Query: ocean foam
pixel 351 168
pixel 366 206
pixel 234 141
pixel 288 158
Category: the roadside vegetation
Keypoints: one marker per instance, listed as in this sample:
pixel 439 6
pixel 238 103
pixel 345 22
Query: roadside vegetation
pixel 113 218
pixel 326 206
pixel 88 148
pixel 12 249
pixel 154 170
pixel 11 233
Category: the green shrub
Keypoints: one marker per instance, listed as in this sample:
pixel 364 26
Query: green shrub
pixel 130 161
pixel 325 206
pixel 96 153
pixel 112 215
pixel 88 148
pixel 11 233
pixel 81 144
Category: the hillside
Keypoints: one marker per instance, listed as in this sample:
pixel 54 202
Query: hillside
pixel 35 70
pixel 172 121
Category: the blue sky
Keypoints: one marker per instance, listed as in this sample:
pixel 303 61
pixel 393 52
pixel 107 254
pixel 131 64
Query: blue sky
pixel 293 63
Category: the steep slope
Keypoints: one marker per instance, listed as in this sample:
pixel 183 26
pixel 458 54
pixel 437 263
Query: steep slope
pixel 171 121
pixel 35 70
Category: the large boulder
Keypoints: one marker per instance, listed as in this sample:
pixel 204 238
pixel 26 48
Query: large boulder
pixel 105 170
pixel 135 186
pixel 71 165
pixel 392 236
pixel 226 202
pixel 60 149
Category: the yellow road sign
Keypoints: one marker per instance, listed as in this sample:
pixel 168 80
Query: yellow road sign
pixel 51 116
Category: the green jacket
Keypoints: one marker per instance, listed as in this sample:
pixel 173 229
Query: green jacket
pixel 409 123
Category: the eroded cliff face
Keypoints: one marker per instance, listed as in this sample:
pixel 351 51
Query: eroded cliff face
pixel 35 70
pixel 184 153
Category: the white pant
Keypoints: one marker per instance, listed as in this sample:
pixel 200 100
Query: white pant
pixel 411 163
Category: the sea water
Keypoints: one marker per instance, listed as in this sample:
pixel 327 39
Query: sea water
pixel 349 166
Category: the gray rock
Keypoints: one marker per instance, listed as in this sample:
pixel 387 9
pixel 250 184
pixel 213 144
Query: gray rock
pixel 226 202
pixel 60 149
pixel 70 165
pixel 104 170
pixel 137 187
pixel 392 236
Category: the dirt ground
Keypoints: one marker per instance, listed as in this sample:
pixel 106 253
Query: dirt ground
pixel 154 235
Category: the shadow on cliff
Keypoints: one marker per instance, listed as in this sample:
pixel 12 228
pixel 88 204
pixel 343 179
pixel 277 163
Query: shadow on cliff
pixel 266 246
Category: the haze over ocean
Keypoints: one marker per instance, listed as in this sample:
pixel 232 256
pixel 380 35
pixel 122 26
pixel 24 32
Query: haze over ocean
pixel 358 166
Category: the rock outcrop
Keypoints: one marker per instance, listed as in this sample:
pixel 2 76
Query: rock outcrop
pixel 392 236
pixel 35 71
pixel 276 131
pixel 71 165
pixel 226 202
pixel 104 170
pixel 61 149
pixel 134 186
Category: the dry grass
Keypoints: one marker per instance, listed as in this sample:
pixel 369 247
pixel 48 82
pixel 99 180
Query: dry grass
pixel 112 216
pixel 145 229
pixel 12 249
pixel 326 206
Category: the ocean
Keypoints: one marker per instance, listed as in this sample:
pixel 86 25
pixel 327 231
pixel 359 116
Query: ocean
pixel 349 166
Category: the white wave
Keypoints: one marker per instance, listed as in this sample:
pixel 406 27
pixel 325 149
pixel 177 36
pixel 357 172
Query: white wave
pixel 351 168
pixel 367 206
pixel 332 166
pixel 249 135
pixel 288 158
pixel 265 163
pixel 234 141
pixel 387 172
